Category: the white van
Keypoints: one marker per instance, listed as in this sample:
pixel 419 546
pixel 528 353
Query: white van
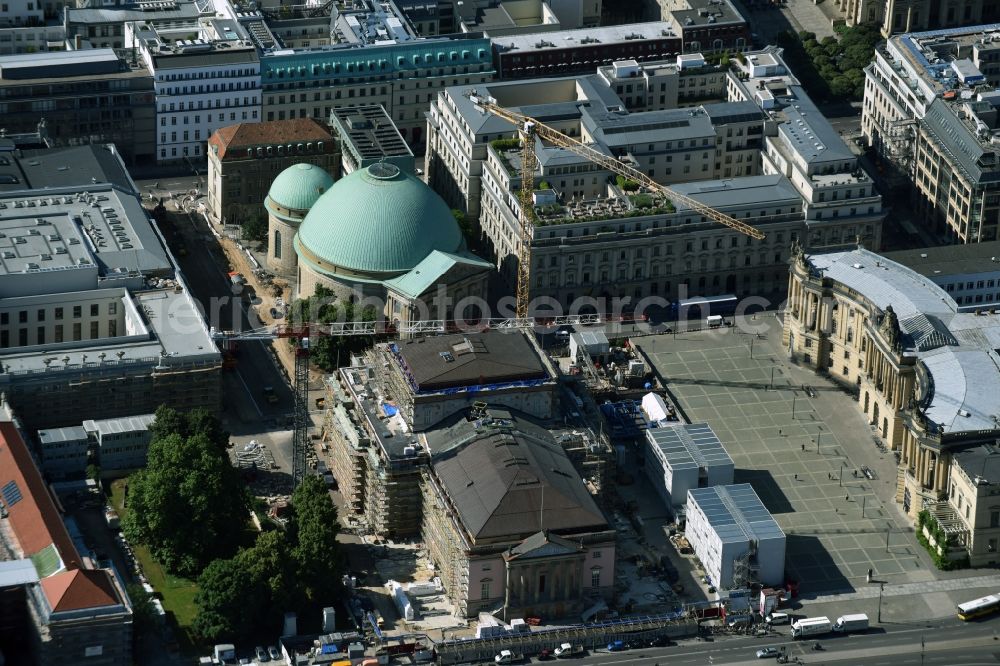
pixel 715 321
pixel 778 618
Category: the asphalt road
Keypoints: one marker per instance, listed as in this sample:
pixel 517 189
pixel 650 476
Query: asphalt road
pixel 951 643
pixel 256 368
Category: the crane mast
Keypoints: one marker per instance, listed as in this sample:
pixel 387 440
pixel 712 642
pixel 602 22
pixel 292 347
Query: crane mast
pixel 528 129
pixel 527 205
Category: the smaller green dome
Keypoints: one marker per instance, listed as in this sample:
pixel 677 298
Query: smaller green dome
pixel 299 186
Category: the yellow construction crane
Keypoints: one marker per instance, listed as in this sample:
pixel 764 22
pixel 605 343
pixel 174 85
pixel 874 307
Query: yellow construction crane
pixel 529 128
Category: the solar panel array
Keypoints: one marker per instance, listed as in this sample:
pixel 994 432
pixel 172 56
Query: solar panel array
pixel 11 494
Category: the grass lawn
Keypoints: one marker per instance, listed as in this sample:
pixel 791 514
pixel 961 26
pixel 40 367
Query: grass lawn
pixel 177 593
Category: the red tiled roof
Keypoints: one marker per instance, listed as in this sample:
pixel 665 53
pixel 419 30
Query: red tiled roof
pixel 245 135
pixel 80 589
pixel 34 518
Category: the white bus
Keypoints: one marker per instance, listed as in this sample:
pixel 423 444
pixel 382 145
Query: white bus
pixel 979 607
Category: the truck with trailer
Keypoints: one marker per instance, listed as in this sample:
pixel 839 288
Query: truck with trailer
pixel 856 622
pixel 811 626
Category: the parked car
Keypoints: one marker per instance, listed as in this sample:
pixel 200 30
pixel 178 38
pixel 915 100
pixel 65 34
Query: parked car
pixel 616 646
pixel 660 641
pixel 261 654
pixel 545 655
pixel 274 653
pixel 767 653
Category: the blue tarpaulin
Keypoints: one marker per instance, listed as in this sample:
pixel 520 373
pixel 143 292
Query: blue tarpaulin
pixel 390 410
pixel 329 648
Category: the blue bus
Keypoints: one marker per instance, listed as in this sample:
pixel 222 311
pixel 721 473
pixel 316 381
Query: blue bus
pixel 700 307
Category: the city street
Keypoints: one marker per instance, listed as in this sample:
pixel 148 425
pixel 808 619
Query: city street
pixel 243 400
pixel 951 642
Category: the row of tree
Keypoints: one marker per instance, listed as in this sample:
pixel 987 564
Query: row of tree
pixel 190 507
pixel 832 69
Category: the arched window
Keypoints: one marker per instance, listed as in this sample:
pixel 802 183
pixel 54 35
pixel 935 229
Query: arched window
pixel 277 244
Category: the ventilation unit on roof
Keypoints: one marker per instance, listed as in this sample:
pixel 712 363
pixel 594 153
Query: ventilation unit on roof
pixel 34 232
pixel 61 250
pixel 74 241
pixel 7 254
pixel 46 257
pixel 31 266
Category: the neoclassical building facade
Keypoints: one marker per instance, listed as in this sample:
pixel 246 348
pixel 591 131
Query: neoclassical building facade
pixel 927 376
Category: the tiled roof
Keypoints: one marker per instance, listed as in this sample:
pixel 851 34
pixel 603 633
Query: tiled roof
pixel 31 512
pixel 245 135
pixel 79 589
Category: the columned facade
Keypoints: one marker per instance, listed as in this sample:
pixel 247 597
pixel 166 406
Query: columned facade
pixel 839 331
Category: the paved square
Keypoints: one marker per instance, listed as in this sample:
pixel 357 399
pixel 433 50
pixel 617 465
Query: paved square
pixel 793 447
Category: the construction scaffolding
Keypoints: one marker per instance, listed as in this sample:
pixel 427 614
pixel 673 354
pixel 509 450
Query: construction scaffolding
pixel 445 548
pixel 674 625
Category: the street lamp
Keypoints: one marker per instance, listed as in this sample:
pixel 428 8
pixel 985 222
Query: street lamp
pixel 881 587
pixel 843 465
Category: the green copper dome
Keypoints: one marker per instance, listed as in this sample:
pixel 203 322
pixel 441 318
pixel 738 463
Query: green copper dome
pixel 299 186
pixel 376 220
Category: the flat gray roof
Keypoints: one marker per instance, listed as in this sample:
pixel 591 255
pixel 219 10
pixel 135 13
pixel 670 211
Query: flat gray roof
pixel 614 129
pixel 949 260
pixel 689 446
pixel 449 361
pixel 17 572
pixel 809 133
pixel 980 462
pixel 119 425
pixel 184 10
pixel 67 434
pixel 63 229
pixel 743 191
pixel 574 38
pixel 176 335
pixel 735 513
pixel 701 13
pixel 59 63
pixel 369 133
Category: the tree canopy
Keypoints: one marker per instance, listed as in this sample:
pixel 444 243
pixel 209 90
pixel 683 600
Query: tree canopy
pixel 313 530
pixel 189 505
pixel 832 69
pixel 247 595
pixel 324 308
pixel 296 569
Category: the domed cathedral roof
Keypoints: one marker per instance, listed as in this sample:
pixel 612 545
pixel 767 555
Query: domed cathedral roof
pixel 297 188
pixel 376 223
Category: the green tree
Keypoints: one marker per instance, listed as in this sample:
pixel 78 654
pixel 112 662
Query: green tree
pixel 323 308
pixel 143 611
pixel 189 505
pixel 313 529
pixel 246 596
pixel 466 226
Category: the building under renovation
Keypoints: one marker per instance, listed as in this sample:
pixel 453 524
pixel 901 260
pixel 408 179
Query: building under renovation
pixel 379 410
pixel 508 522
pixel 95 320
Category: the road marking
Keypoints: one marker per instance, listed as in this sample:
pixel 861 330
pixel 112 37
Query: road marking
pixel 252 401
